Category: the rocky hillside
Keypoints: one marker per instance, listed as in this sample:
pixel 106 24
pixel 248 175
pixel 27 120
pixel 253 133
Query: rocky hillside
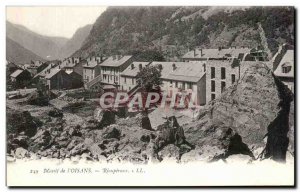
pixel 75 42
pixel 18 54
pixel 128 29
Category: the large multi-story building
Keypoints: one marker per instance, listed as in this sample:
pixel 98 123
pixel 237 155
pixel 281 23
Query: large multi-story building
pixel 128 78
pixel 188 77
pixel 112 68
pixel 219 76
pixel 200 54
pixel 91 68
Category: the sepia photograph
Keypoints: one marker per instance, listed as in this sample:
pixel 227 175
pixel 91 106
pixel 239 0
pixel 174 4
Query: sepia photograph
pixel 143 96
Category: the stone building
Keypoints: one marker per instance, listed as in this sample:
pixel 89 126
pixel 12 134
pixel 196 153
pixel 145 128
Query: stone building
pixel 184 77
pixel 112 68
pixel 219 76
pixel 128 76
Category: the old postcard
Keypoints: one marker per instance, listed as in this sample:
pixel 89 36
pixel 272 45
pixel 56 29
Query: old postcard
pixel 150 96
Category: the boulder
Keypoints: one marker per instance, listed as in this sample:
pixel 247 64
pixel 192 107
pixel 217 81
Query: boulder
pixel 55 113
pixel 111 132
pixel 104 117
pixel 169 153
pixel 21 153
pixel 21 121
pixel 40 141
pixel 255 107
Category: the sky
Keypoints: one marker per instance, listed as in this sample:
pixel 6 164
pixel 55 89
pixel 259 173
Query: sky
pixel 60 21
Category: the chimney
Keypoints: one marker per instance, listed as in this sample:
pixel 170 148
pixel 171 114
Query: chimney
pixel 160 67
pixel 220 48
pixel 140 66
pixel 58 66
pixel 201 52
pixel 114 57
pixel 174 66
pixel 132 66
pixel 101 58
pixel 119 57
pixel 194 52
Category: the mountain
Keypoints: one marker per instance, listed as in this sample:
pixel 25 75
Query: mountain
pixel 45 46
pixel 121 30
pixel 18 54
pixel 76 41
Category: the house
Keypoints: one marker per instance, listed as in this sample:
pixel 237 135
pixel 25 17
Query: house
pixel 91 68
pixel 128 76
pixel 222 74
pixel 200 54
pixel 41 67
pixel 77 81
pixel 187 77
pixel 68 64
pixel 112 68
pixel 20 78
pixel 285 69
pixel 58 79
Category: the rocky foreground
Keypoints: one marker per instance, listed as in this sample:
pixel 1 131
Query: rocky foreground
pixel 253 119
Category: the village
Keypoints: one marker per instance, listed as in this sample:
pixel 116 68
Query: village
pixel 204 72
pixel 54 108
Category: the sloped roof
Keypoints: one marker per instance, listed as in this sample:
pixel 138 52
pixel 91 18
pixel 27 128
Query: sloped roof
pixel 91 63
pixel 111 62
pixel 16 73
pixel 287 60
pixel 52 73
pixel 215 53
pixel 133 72
pixel 184 71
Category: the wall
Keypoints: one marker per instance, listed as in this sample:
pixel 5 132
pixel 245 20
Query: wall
pixel 228 72
pixel 129 84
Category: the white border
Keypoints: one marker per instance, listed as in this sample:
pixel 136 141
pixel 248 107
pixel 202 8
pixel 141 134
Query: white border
pixel 5 3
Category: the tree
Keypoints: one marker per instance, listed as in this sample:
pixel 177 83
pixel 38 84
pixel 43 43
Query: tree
pixel 149 77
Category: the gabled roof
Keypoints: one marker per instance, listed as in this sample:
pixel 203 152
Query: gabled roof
pixel 16 73
pixel 287 60
pixel 215 53
pixel 184 71
pixel 113 61
pixel 91 63
pixel 132 72
pixel 52 73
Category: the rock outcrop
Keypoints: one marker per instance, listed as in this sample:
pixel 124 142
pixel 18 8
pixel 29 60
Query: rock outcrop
pixel 255 107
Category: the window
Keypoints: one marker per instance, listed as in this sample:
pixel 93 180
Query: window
pixel 124 79
pixel 183 85
pixel 212 72
pixel 189 85
pixel 223 73
pixel 286 69
pixel 132 81
pixel 116 78
pixel 213 86
pixel 171 82
pixel 176 84
pixel 232 78
pixel 223 86
pixel 111 77
pixel 213 96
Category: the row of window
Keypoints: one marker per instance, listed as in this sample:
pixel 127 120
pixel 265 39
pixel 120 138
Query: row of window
pixel 213 72
pixel 223 84
pixel 184 84
pixel 110 77
pixel 132 80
